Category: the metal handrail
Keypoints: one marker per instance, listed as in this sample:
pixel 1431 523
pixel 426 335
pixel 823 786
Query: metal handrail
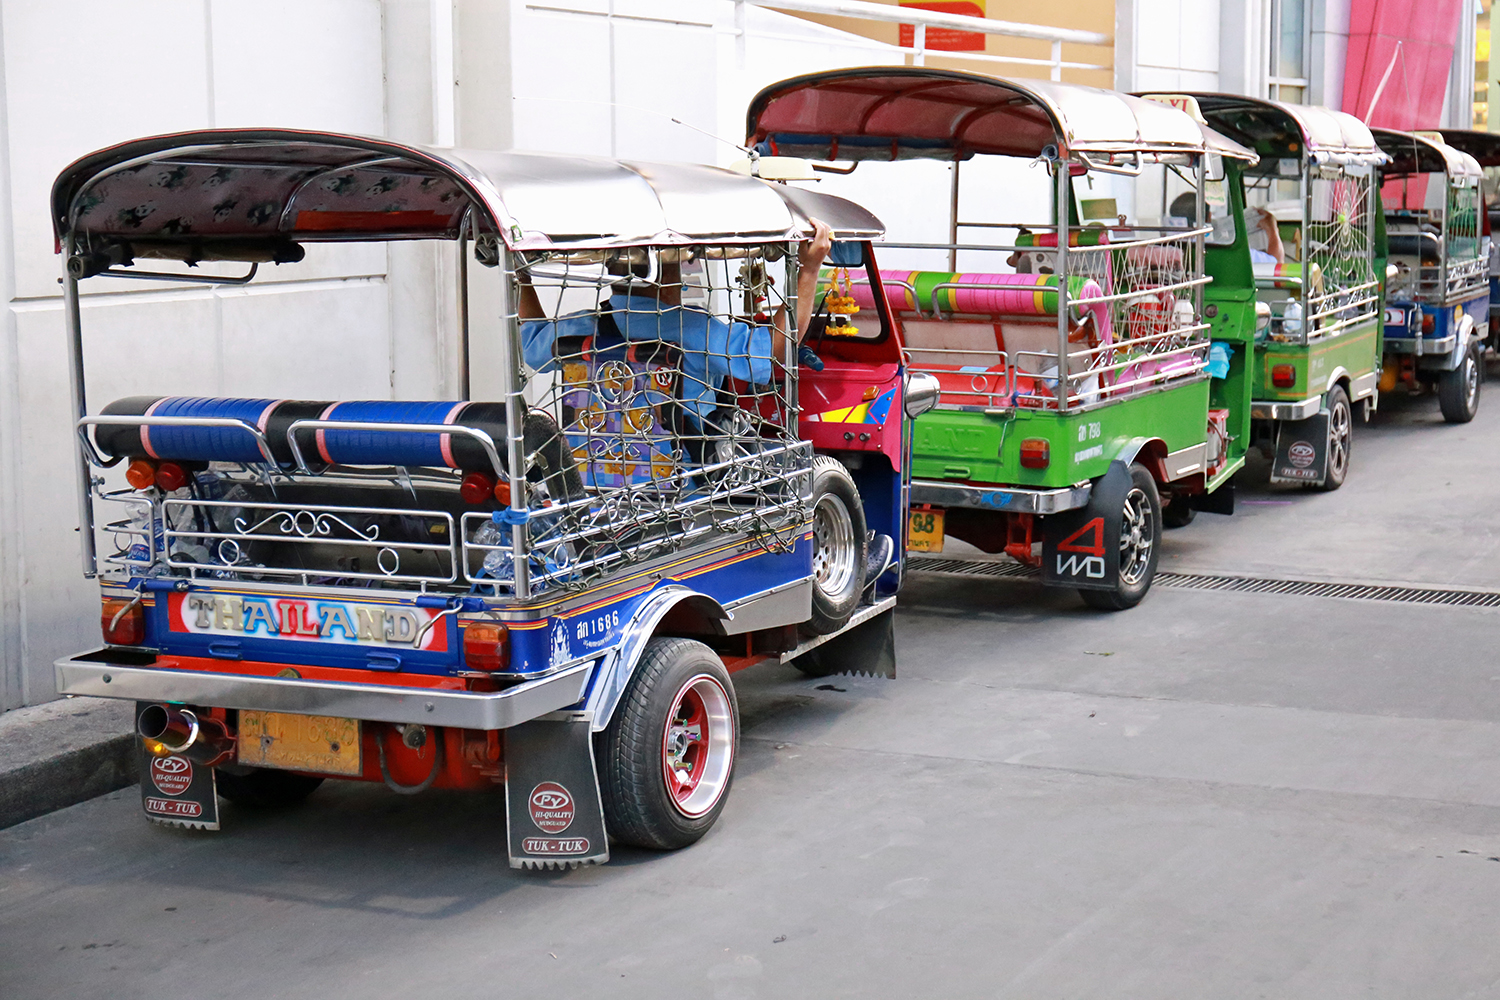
pixel 485 441
pixel 124 420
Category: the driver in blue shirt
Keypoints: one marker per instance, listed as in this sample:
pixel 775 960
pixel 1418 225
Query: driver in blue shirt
pixel 712 349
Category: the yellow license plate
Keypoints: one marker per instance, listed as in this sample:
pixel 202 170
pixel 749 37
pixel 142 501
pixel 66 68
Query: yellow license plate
pixel 926 533
pixel 322 743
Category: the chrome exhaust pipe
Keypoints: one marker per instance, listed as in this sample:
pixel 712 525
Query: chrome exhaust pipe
pixel 169 730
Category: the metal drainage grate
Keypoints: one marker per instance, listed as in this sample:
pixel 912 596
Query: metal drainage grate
pixel 1236 584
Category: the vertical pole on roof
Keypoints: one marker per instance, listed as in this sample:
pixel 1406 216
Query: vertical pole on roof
pixel 1306 239
pixel 1443 242
pixel 1064 363
pixel 515 417
pixel 1198 266
pixel 465 226
pixel 80 410
pixel 919 45
pixel 953 217
pixel 1057 60
pixel 789 355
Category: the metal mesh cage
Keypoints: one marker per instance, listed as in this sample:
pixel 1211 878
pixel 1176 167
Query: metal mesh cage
pixel 664 375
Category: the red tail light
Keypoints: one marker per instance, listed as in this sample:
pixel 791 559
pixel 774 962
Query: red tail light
pixel 1429 323
pixel 1283 376
pixel 141 474
pixel 1036 453
pixel 170 476
pixel 486 646
pixel 123 621
pixel 476 487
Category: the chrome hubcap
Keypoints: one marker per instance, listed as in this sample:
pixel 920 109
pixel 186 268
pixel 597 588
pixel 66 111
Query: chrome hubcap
pixel 1137 537
pixel 1471 380
pixel 833 545
pixel 1339 425
pixel 698 746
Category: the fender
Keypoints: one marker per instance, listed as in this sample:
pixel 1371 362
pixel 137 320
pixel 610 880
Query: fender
pixel 620 665
pixel 1131 450
pixel 1334 377
pixel 1464 340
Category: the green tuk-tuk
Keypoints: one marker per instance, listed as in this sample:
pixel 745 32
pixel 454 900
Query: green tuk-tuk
pixel 1081 389
pixel 1310 286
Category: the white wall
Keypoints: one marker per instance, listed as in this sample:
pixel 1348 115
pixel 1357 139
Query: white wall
pixel 352 322
pixel 1167 45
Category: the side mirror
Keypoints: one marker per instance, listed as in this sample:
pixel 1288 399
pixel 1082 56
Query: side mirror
pixel 1262 316
pixel 922 392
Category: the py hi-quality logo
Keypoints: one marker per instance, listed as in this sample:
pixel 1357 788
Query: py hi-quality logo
pixel 1301 454
pixel 551 807
pixel 171 775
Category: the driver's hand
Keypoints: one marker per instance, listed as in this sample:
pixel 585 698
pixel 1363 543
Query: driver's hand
pixel 813 252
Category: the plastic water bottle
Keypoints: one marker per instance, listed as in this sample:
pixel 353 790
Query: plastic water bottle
pixel 151 529
pixel 1291 319
pixel 497 564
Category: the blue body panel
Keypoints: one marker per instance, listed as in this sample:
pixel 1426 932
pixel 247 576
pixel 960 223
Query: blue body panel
pixel 724 573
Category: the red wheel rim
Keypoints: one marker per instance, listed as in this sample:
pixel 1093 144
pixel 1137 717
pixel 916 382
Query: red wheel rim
pixel 698 746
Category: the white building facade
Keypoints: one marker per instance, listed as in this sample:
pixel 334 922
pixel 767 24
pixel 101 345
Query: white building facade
pixel 363 322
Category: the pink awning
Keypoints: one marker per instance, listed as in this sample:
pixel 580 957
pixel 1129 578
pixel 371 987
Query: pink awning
pixel 1413 96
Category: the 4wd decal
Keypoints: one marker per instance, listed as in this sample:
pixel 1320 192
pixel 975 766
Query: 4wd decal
pixel 1086 551
pixel 1076 549
pixel 305 619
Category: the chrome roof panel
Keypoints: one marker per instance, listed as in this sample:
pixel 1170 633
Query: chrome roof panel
pixel 1411 152
pixel 894 112
pixel 1275 129
pixel 229 191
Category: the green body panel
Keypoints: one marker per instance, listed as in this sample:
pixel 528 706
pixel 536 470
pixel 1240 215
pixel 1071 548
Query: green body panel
pixel 1355 350
pixel 977 447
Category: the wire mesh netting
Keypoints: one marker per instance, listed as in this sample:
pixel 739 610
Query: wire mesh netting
pixel 1339 288
pixel 661 378
pixel 652 407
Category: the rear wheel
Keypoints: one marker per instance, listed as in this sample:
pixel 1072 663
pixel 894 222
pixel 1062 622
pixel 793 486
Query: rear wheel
pixel 1177 513
pixel 1458 390
pixel 1340 438
pixel 666 759
pixel 263 787
pixel 839 547
pixel 1140 529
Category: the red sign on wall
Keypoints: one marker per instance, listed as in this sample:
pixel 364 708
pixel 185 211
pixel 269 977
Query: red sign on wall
pixel 946 39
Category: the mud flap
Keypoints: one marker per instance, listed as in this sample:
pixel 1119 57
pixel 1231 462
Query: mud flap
pixel 1081 548
pixel 177 792
pixel 554 814
pixel 867 648
pixel 1301 451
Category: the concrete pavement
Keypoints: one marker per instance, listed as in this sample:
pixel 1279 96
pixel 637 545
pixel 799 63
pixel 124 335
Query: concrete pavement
pixel 1214 795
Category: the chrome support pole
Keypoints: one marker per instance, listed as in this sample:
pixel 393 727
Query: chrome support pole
pixel 1064 194
pixel 1198 242
pixel 515 418
pixel 77 391
pixel 1306 237
pixel 465 227
pixel 953 218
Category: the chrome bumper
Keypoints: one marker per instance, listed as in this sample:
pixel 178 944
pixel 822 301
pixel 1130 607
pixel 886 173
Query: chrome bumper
pixel 90 674
pixel 1286 411
pixel 1420 345
pixel 1016 499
